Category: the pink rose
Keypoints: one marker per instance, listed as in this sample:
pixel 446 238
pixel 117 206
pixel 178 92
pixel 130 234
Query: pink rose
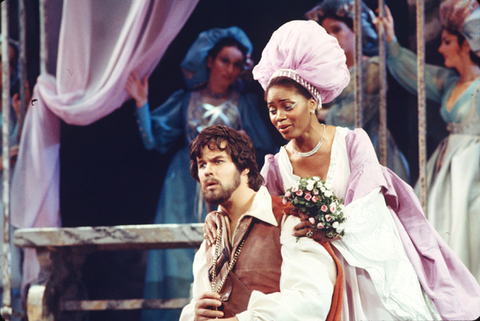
pixel 284 201
pixel 294 189
pixel 314 199
pixel 288 194
pixel 324 208
pixel 320 225
pixel 332 208
pixel 328 217
pixel 299 193
pixel 308 196
pixel 312 220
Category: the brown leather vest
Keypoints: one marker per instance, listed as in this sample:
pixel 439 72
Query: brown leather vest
pixel 258 266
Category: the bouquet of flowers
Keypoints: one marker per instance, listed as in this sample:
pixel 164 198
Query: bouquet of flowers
pixel 316 199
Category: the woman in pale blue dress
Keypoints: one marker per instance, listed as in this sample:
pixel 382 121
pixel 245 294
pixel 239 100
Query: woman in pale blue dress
pixel 453 171
pixel 211 68
pixel 336 16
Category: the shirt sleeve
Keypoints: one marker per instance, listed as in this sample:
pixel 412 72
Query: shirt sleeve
pixel 402 64
pixel 201 284
pixel 306 284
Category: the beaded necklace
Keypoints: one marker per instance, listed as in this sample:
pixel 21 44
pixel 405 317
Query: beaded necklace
pixel 314 150
pixel 215 259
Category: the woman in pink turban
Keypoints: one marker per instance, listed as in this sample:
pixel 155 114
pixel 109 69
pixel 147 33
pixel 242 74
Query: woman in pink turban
pixel 395 265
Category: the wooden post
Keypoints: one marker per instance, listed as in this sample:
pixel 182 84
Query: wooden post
pixel 6 310
pixel 357 26
pixel 422 110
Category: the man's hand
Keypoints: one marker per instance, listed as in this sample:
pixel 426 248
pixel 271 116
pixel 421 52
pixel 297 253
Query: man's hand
pixel 206 305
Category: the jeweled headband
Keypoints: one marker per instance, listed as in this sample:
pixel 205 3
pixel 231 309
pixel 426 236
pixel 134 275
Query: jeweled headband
pixel 292 74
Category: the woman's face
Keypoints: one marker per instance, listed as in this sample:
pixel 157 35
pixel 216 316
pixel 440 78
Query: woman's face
pixel 290 112
pixel 340 30
pixel 451 51
pixel 226 66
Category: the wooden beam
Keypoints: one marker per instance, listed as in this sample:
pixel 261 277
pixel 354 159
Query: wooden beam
pixel 120 237
pixel 132 304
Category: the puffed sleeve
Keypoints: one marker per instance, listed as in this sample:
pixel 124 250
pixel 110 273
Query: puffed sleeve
pixel 161 128
pixel 306 284
pixel 402 64
pixel 271 176
pixel 201 283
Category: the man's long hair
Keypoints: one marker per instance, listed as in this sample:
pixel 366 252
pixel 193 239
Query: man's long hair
pixel 239 146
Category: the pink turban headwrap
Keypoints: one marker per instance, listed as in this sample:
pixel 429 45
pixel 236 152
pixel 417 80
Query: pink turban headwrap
pixel 306 53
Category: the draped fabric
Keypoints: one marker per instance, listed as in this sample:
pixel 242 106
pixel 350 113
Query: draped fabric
pixel 100 43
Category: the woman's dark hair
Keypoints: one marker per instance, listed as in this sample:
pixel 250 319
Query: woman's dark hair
pixel 288 83
pixel 330 14
pixel 227 42
pixel 461 39
pixel 239 146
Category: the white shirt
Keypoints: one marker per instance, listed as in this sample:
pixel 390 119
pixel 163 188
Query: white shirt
pixel 308 275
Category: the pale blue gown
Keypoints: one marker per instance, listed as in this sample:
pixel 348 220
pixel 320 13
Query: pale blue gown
pixel 453 171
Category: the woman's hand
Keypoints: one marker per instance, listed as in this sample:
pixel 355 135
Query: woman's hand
pixel 17 103
pixel 206 307
pixel 210 228
pixel 137 89
pixel 387 22
pixel 305 228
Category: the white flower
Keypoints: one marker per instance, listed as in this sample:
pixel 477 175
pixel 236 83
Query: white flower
pixel 340 229
pixel 312 220
pixel 322 188
pixel 335 224
pixel 328 186
pixel 316 178
pixel 328 193
pixel 310 184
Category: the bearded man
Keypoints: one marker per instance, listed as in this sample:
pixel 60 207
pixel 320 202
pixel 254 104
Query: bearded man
pixel 256 269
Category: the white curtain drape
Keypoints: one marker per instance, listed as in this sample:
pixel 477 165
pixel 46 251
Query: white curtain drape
pixel 100 43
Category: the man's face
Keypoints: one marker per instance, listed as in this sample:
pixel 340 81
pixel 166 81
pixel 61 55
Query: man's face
pixel 218 175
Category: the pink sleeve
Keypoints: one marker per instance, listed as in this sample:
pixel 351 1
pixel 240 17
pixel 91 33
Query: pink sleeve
pixel 271 175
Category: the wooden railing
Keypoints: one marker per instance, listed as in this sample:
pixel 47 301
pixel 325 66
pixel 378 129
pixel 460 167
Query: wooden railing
pixel 58 294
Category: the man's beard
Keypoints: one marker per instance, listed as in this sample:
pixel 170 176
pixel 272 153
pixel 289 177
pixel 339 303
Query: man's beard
pixel 225 192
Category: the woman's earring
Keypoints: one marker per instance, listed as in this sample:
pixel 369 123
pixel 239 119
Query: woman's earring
pixel 312 111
